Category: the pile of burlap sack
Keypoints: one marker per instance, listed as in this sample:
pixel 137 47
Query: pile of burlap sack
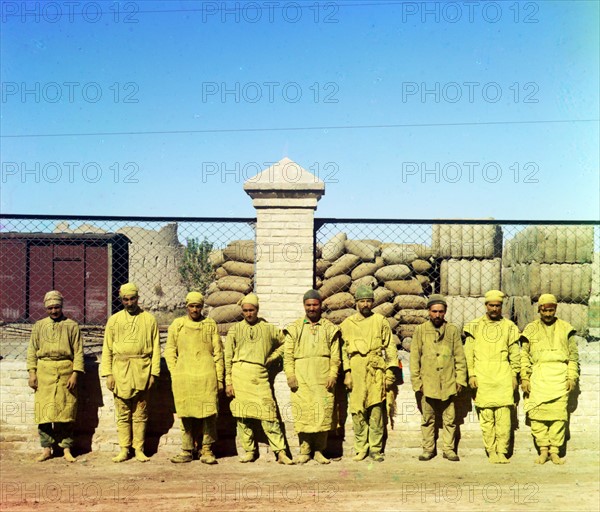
pixel 400 275
pixel 234 272
pixel 462 263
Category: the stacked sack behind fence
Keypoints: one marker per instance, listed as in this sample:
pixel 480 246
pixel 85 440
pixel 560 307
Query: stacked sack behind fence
pixel 594 302
pixel 469 278
pixel 556 260
pixel 466 241
pixel 550 244
pixel 234 271
pixel 520 310
pixel 569 282
pixel 399 274
pixel 470 265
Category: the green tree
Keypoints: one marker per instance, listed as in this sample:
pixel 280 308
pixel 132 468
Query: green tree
pixel 195 270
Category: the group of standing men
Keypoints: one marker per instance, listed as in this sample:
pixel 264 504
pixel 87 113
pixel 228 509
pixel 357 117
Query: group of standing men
pixel 491 360
pixel 313 350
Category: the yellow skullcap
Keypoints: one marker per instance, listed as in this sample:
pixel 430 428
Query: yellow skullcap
pixel 494 296
pixel 52 298
pixel 194 298
pixel 251 298
pixel 128 289
pixel 547 298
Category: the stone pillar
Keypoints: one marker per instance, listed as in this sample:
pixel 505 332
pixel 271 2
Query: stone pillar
pixel 285 197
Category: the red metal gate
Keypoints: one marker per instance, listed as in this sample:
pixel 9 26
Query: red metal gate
pixel 81 268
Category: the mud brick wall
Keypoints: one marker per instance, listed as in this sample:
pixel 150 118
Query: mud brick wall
pixel 96 430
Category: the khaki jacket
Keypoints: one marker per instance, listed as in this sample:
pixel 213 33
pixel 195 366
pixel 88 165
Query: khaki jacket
pixel 437 360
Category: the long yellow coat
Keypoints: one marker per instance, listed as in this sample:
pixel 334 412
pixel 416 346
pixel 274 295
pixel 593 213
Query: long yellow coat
pixel 492 352
pixel 549 356
pixel 131 352
pixel 368 351
pixel 194 357
pixel 312 354
pixel 437 360
pixel 248 348
pixel 55 351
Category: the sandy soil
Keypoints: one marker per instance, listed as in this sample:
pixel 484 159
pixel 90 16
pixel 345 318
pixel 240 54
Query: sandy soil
pixel 400 483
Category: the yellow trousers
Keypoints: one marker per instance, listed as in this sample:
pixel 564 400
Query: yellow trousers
pixel 272 429
pixel 312 441
pixel 198 431
pixel 495 426
pixel 132 415
pixel 549 434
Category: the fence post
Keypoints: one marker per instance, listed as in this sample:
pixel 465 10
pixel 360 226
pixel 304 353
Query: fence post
pixel 285 197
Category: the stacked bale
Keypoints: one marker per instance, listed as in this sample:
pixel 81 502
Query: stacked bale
pixel 594 302
pixel 464 309
pixel 399 274
pixel 470 265
pixel 234 271
pixel 467 241
pixel 550 259
pixel 570 282
pixel 520 310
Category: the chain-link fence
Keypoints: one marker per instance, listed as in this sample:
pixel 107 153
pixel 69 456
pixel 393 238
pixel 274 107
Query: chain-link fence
pixel 406 261
pixel 88 259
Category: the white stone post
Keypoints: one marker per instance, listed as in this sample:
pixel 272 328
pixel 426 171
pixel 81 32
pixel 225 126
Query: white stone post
pixel 285 197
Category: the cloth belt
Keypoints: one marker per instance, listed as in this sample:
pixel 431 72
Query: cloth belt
pixel 124 357
pixel 374 361
pixel 376 352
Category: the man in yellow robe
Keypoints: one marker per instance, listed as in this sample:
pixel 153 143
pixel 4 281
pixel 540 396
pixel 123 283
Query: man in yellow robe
pixel 311 362
pixel 438 372
pixel 130 363
pixel 252 346
pixel 194 357
pixel 493 362
pixel 549 372
pixel 368 357
pixel 54 359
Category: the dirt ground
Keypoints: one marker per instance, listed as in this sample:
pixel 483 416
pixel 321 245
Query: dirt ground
pixel 400 483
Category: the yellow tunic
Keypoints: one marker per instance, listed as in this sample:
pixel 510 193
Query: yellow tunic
pixel 131 352
pixel 492 352
pixel 549 357
pixel 55 351
pixel 368 351
pixel 194 357
pixel 312 354
pixel 437 360
pixel 247 350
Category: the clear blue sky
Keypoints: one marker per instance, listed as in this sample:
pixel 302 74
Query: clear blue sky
pixel 385 146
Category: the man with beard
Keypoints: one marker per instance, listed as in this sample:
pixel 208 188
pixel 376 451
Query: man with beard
pixel 550 369
pixel 311 363
pixel 54 359
pixel 438 373
pixel 252 346
pixel 368 357
pixel 195 359
pixel 493 362
pixel 130 363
